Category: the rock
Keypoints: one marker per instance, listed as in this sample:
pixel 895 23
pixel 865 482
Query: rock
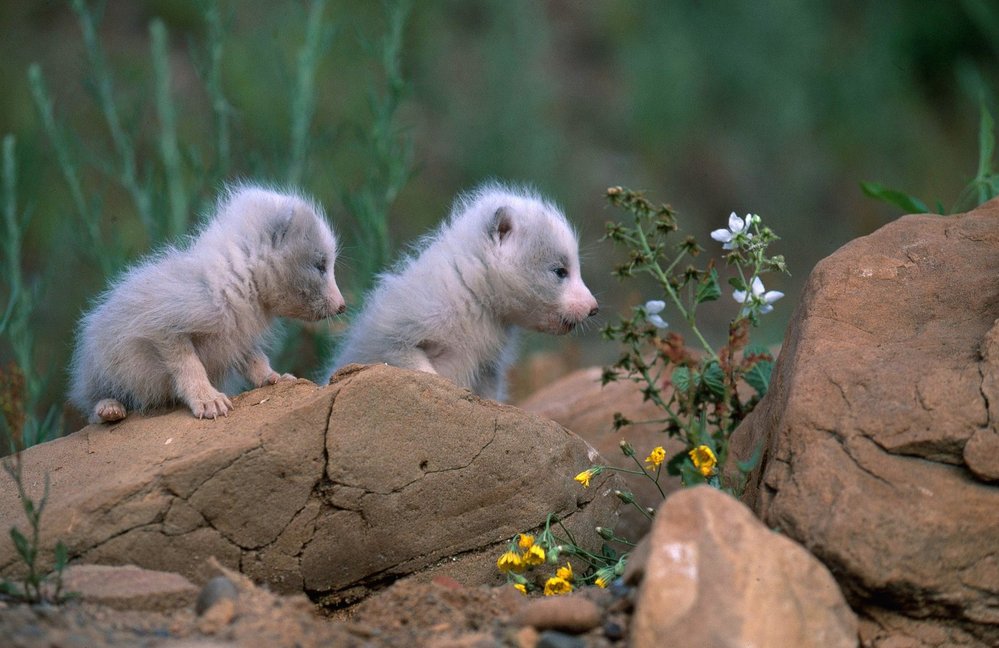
pixel 128 587
pixel 714 576
pixel 572 614
pixel 553 639
pixel 335 490
pixel 581 404
pixel 216 590
pixel 879 429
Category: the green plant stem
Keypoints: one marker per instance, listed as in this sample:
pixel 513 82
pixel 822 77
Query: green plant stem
pixel 220 106
pixel 89 219
pixel 12 242
pixel 168 130
pixel 643 471
pixel 657 272
pixel 303 103
pixel 105 99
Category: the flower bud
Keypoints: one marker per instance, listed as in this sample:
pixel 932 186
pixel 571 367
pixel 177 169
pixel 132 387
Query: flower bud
pixel 625 496
pixel 627 448
pixel 605 533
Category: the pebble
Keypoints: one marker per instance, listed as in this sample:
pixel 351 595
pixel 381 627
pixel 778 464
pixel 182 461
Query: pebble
pixel 572 614
pixel 552 639
pixel 217 589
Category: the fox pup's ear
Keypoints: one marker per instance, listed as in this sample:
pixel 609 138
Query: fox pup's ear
pixel 280 226
pixel 502 224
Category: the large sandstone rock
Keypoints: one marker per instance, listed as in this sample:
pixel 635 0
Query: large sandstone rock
pixel 712 575
pixel 881 448
pixel 335 490
pixel 580 403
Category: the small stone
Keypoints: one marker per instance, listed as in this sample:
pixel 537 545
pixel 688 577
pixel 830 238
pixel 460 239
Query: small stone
pixel 552 639
pixel 571 614
pixel 613 631
pixel 527 637
pixel 218 616
pixel 217 589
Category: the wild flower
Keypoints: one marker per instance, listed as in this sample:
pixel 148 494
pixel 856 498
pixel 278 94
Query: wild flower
pixel 758 298
pixel 655 458
pixel 556 586
pixel 588 474
pixel 565 573
pixel 737 233
pixel 600 582
pixel 534 555
pixel 704 459
pixel 525 541
pixel 521 587
pixel 652 310
pixel 510 562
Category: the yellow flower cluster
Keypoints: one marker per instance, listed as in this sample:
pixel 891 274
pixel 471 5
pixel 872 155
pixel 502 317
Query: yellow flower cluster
pixel 704 459
pixel 524 554
pixel 655 458
pixel 561 582
pixel 531 555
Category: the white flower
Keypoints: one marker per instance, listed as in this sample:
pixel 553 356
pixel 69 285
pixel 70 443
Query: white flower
pixel 652 310
pixel 737 232
pixel 760 298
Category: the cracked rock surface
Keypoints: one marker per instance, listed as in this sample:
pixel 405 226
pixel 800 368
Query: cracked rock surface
pixel 336 490
pixel 880 432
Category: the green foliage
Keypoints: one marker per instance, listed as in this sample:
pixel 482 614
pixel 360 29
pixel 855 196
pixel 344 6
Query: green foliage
pixel 169 167
pixel 982 188
pixel 702 393
pixel 37 585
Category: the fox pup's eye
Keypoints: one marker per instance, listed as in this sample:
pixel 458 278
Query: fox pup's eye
pixel 560 272
pixel 320 266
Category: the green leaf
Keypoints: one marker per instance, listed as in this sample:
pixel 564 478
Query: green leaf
pixel 675 464
pixel 708 289
pixel 902 200
pixel 10 589
pixel 23 546
pixel 737 283
pixel 986 148
pixel 749 464
pixel 758 377
pixel 714 378
pixel 61 556
pixel 681 379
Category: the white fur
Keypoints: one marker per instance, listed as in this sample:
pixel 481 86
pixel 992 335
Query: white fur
pixel 173 326
pixel 454 306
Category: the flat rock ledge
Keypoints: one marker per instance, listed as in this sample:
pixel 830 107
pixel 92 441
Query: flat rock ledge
pixel 336 491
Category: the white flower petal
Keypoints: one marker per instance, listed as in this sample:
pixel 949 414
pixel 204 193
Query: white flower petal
pixel 721 235
pixel 736 224
pixel 657 321
pixel 765 308
pixel 654 306
pixel 771 296
pixel 758 288
pixel 739 296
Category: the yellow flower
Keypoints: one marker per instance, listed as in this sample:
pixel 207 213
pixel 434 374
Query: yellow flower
pixel 555 586
pixel 534 555
pixel 565 573
pixel 520 587
pixel 656 457
pixel 601 582
pixel 510 561
pixel 704 459
pixel 525 541
pixel 585 476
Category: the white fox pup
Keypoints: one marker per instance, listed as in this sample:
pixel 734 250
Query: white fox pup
pixel 504 259
pixel 172 327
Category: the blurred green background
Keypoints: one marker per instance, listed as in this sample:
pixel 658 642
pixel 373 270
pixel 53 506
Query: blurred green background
pixel 778 108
